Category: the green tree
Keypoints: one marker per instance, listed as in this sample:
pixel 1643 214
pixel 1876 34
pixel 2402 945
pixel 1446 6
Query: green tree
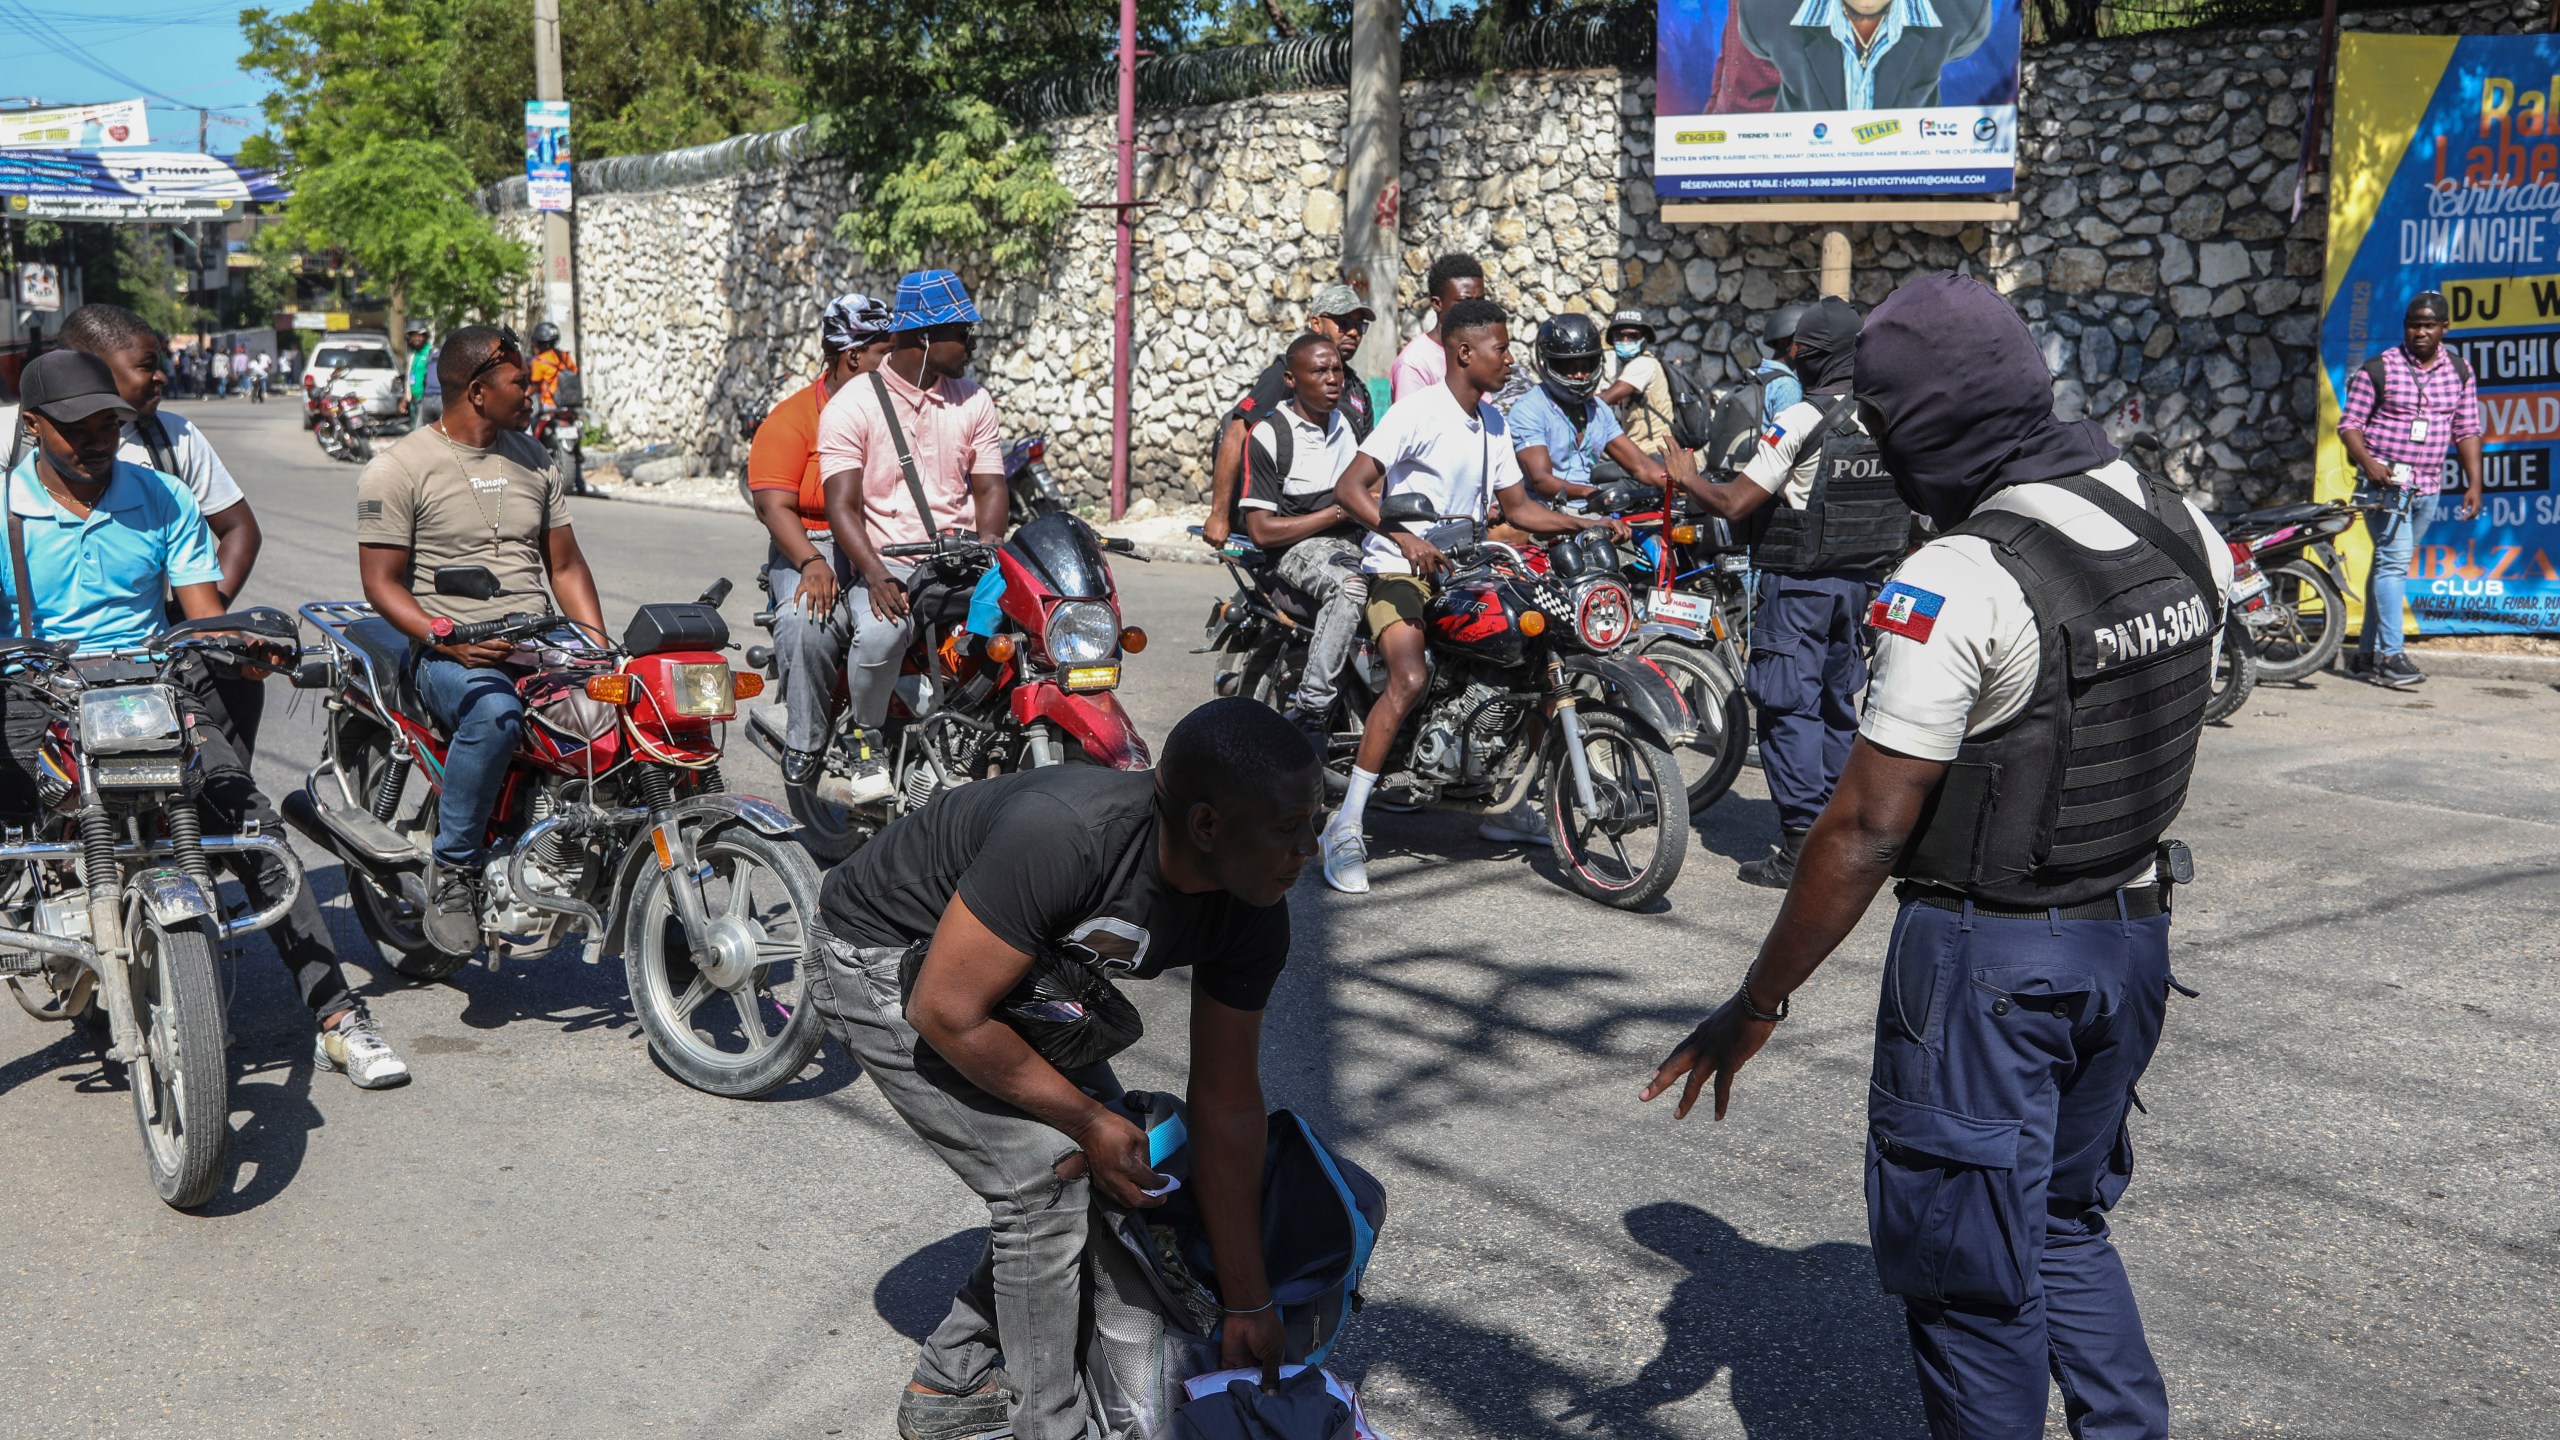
pixel 401 210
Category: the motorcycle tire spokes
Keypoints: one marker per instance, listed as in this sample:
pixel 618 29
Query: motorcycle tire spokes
pixel 1712 759
pixel 2310 625
pixel 739 1024
pixel 1626 849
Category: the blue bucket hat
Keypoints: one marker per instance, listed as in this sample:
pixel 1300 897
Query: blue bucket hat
pixel 932 297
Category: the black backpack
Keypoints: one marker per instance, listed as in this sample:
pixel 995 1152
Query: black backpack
pixel 1692 406
pixel 1735 432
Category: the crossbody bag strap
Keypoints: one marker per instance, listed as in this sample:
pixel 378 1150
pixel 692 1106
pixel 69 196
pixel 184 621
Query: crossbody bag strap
pixel 906 460
pixel 2185 552
pixel 155 438
pixel 18 564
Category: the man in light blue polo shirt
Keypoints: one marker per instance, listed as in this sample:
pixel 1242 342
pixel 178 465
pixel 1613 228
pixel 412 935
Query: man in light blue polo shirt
pixel 1561 429
pixel 103 539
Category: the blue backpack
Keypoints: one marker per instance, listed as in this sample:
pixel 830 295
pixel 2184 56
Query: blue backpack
pixel 1156 1310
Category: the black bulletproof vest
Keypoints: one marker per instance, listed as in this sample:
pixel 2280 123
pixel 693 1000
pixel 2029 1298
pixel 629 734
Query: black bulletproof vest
pixel 1852 520
pixel 2068 800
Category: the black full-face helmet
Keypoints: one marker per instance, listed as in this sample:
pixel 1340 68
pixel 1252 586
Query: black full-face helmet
pixel 1569 355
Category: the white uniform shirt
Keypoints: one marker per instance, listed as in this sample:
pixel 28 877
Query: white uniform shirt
pixel 195 464
pixel 1430 446
pixel 1974 666
pixel 1776 465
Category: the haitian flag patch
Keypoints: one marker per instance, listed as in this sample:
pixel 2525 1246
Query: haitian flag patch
pixel 1906 610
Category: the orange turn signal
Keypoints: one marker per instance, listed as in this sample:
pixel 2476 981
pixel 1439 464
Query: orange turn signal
pixel 611 689
pixel 749 685
pixel 1133 639
pixel 1533 623
pixel 1000 648
pixel 1684 534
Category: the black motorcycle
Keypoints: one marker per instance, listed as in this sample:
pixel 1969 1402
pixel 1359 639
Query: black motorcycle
pixel 1536 684
pixel 1030 490
pixel 1693 602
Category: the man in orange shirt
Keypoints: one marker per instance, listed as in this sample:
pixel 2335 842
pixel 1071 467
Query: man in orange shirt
pixel 550 362
pixel 804 572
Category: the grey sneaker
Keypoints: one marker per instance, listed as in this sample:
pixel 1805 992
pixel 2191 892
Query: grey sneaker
pixel 452 917
pixel 1522 824
pixel 2399 672
pixel 358 1049
pixel 987 1415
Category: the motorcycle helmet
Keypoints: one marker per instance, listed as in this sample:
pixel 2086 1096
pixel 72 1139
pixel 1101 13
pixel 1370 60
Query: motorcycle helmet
pixel 1782 325
pixel 1569 355
pixel 545 335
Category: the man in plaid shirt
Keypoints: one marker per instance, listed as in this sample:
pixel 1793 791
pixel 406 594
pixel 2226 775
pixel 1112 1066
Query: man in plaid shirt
pixel 2398 439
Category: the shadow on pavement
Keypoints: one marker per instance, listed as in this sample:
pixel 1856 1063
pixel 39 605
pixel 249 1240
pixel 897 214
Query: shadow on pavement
pixel 915 1293
pixel 269 1146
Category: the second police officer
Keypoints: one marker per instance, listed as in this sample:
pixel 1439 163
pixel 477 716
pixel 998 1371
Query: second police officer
pixel 2041 672
pixel 1818 551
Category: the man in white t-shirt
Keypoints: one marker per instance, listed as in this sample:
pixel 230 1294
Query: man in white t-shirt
pixel 1293 456
pixel 1446 443
pixel 139 359
pixel 2040 678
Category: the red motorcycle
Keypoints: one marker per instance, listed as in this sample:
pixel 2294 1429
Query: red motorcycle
pixel 613 821
pixel 1029 684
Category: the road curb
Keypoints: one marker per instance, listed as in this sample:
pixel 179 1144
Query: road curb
pixel 2486 665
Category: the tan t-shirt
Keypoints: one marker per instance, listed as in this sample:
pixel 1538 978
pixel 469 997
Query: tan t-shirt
pixel 443 502
pixel 1647 413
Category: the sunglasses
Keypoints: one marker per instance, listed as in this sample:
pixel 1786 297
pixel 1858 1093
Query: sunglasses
pixel 509 349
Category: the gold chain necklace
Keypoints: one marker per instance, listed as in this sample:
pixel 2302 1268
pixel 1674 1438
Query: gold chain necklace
pixel 467 483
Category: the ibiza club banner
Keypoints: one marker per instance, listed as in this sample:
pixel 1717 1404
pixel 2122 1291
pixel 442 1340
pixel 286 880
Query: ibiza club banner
pixel 2445 175
pixel 1814 98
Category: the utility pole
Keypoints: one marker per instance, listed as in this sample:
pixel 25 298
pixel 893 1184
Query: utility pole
pixel 1124 295
pixel 1372 250
pixel 559 293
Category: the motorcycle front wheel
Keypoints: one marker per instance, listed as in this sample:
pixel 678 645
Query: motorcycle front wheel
pixel 181 1082
pixel 2235 673
pixel 1711 760
pixel 740 1023
pixel 1627 848
pixel 2310 628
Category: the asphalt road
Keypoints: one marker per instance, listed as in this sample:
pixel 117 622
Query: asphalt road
pixel 2342 1225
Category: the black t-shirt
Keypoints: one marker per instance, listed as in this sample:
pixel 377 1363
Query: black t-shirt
pixel 1060 857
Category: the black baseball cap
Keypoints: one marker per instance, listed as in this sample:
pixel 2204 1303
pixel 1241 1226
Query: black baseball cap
pixel 67 386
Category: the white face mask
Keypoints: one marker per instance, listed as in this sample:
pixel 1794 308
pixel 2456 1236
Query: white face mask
pixel 1629 349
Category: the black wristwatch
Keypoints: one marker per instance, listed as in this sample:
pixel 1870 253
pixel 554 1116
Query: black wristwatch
pixel 1742 996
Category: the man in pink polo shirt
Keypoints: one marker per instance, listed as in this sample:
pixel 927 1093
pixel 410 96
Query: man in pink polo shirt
pixel 1423 363
pixel 908 453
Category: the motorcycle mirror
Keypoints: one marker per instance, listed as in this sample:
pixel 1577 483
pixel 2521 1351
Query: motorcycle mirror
pixel 467 582
pixel 718 592
pixel 1408 507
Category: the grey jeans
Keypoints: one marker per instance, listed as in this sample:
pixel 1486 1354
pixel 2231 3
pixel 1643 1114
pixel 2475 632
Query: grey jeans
pixel 813 649
pixel 1025 1299
pixel 1327 568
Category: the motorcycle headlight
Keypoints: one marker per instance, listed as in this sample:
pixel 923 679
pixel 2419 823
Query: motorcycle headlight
pixel 1081 632
pixel 1604 614
pixel 128 718
pixel 704 692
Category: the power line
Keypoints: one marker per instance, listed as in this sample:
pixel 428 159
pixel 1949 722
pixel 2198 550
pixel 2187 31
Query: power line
pixel 28 24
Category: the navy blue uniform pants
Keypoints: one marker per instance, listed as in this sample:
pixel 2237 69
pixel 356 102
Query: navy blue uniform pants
pixel 2006 1056
pixel 1808 662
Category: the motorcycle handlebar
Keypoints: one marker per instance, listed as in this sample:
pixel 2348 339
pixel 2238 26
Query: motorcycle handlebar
pixel 501 628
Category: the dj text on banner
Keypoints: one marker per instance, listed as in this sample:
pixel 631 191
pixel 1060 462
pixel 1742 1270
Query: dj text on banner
pixel 1815 98
pixel 2445 175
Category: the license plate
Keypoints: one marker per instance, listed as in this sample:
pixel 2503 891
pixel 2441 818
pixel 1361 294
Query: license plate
pixel 1693 611
pixel 2249 587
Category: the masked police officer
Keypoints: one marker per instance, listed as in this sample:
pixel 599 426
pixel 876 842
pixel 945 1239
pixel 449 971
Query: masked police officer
pixel 1818 551
pixel 2040 679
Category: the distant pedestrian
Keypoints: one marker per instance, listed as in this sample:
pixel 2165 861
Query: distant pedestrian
pixel 239 368
pixel 261 366
pixel 2405 409
pixel 426 392
pixel 1424 362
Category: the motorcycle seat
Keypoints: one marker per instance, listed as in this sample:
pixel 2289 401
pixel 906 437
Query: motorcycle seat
pixel 386 654
pixel 2278 516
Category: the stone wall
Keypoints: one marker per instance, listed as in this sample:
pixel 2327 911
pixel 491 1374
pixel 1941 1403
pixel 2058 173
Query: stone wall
pixel 2156 257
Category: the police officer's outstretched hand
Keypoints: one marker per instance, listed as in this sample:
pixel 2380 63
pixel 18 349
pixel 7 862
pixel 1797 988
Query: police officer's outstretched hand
pixel 1718 1048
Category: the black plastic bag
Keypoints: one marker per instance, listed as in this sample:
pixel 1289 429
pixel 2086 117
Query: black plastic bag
pixel 1065 1009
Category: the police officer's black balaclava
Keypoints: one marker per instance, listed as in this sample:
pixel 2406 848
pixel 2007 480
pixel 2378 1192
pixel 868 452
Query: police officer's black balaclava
pixel 1827 347
pixel 1964 398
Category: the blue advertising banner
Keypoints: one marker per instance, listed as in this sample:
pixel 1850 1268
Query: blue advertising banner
pixel 1814 98
pixel 129 185
pixel 546 154
pixel 2445 176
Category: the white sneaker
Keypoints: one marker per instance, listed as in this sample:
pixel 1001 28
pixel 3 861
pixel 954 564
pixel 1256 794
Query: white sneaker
pixel 1346 861
pixel 359 1049
pixel 1523 824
